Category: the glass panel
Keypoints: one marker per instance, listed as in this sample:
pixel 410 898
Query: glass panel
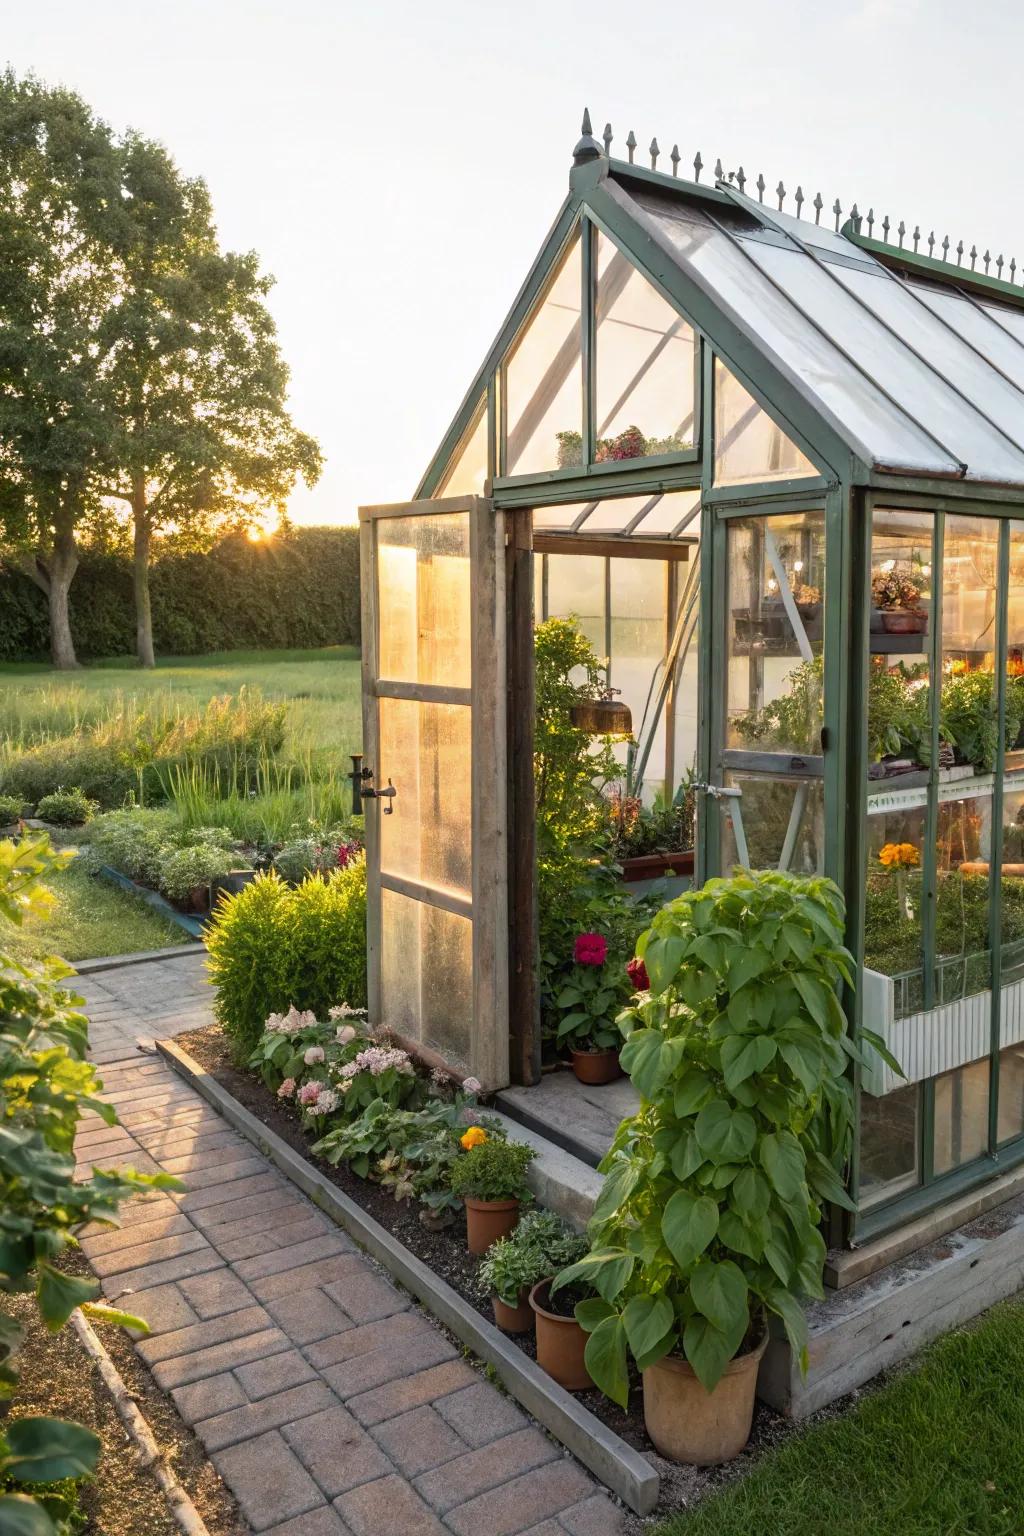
pixel 898 691
pixel 776 588
pixel 575 585
pixel 668 512
pixel 644 366
pixel 1011 1094
pixel 847 392
pixel 423 597
pixel 748 444
pixel 888 1144
pixel 639 640
pixel 544 380
pixel 1010 319
pixel 976 326
pixel 559 518
pixel 427 976
pixel 783 824
pixel 425 752
pixel 893 899
pixel 961 1116
pixel 468 470
pixel 614 514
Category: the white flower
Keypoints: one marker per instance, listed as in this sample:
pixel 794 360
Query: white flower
pixel 313 1055
pixel 377 1059
pixel 327 1101
pixel 290 1023
pixel 345 1034
pixel 343 1011
pixel 471 1085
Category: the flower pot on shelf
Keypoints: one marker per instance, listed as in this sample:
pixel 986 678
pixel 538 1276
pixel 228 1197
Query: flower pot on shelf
pixel 517 1319
pixel 487 1220
pixel 688 1423
pixel 903 621
pixel 560 1342
pixel 596 1067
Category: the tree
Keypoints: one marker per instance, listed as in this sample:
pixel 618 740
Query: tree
pixel 58 199
pixel 193 390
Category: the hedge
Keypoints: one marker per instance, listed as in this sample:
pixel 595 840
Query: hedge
pixel 299 589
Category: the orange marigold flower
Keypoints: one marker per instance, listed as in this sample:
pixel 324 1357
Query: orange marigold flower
pixel 899 856
pixel 474 1137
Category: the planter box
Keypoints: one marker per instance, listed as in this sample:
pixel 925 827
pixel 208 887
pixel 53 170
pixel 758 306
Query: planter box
pixel 934 1040
pixel 193 926
pixel 649 866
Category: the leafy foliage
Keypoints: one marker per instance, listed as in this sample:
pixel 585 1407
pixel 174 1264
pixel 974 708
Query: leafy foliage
pixel 12 808
pixel 541 1244
pixel 714 1190
pixel 590 1001
pixel 493 1170
pixel 67 808
pixel 183 870
pixel 569 770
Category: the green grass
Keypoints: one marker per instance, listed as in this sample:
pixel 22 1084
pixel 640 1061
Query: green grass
pixel 90 918
pixel 937 1452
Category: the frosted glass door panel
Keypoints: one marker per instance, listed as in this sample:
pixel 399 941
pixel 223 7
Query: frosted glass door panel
pixel 425 750
pixel 423 599
pixel 427 975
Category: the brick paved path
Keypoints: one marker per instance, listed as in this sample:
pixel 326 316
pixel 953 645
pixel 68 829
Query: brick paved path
pixel 328 1402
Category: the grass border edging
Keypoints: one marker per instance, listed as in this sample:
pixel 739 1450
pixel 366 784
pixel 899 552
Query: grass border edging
pixel 617 1464
pixel 140 957
pixel 192 925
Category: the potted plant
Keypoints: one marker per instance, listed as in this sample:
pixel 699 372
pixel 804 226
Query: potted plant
pixel 708 1222
pixel 657 840
pixel 186 873
pixel 490 1175
pixel 540 1245
pixel 898 601
pixel 807 599
pixel 592 999
pixel 561 1340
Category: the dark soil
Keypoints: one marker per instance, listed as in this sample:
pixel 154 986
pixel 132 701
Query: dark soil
pixel 59 1380
pixel 681 1486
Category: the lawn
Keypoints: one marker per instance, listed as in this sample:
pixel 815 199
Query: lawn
pixel 90 918
pixel 936 1452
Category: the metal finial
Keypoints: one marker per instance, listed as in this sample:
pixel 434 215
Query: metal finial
pixel 799 200
pixel 901 230
pixel 719 172
pixel 917 236
pixel 974 257
pixel 999 266
pixel 607 139
pixel 945 247
pixel 959 253
pixel 931 244
pixel 837 210
pixel 588 148
pixel 986 259
pixel 885 229
pixel 741 178
pixel 698 166
pixel 675 157
pixel 780 193
pixel 631 145
pixel 818 205
pixel 655 152
pixel 871 221
pixel 760 185
pixel 855 218
pixel 1013 269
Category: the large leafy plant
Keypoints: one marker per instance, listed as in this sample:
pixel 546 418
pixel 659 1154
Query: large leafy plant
pixel 714 1191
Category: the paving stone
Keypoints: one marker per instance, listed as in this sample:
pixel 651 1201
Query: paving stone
pixel 308 1317
pixel 179 1268
pixel 398 1332
pixel 390 1499
pixel 117 1260
pixel 268 1480
pixel 188 1168
pixel 325 1246
pixel 250 1419
pixel 275 1374
pixel 477 1471
pixel 262 1204
pixel 398 1396
pixel 215 1293
pixel 481 1414
pixel 182 1341
pixel 338 1453
pixel 366 1296
pixel 235 1248
pixel 231 1190
pixel 163 1307
pixel 546 1528
pixel 522 1502
pixel 358 1375
pixel 418 1440
pixel 204 1399
pixel 596 1516
pixel 179 1371
pixel 144 1208
pixel 308 1277
pixel 109 1240
pixel 319 1522
pixel 281 1215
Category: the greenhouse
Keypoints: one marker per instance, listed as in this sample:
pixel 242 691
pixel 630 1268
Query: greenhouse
pixel 774 466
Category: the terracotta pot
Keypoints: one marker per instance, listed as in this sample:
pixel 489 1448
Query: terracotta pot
pixel 686 1423
pixel 560 1343
pixel 518 1319
pixel 596 1066
pixel 487 1220
pixel 902 621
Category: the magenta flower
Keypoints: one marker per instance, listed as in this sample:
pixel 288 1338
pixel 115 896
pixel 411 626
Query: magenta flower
pixel 590 949
pixel 637 973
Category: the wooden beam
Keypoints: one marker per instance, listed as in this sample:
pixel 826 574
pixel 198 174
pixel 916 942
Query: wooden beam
pixel 524 992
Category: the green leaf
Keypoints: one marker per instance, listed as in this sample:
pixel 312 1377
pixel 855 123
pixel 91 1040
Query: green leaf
pixel 782 1159
pixel 59 1294
pixel 608 1270
pixel 814 996
pixel 693 1091
pixel 98 1313
pixel 648 1320
pixel 688 1223
pixel 44 1450
pixel 878 1044
pixel 571 1021
pixel 805 1062
pixel 708 1351
pixel 743 1056
pixel 686 1156
pixel 719 1291
pixel 792 1313
pixel 592 1312
pixel 725 1135
pixel 619 1184
pixel 735 1234
pixel 22 1516
pixel 641 1049
pixel 748 963
pixel 663 958
pixel 825 1181
pixel 800 943
pixel 605 1359
pixel 751 1193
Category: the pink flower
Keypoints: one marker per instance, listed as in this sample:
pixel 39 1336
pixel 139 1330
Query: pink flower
pixel 637 973
pixel 287 1089
pixel 310 1092
pixel 590 949
pixel 327 1102
pixel 471 1085
pixel 314 1055
pixel 345 1034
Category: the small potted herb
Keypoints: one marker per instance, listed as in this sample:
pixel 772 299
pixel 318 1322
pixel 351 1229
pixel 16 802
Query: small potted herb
pixel 540 1244
pixel 491 1178
pixel 591 998
pixel 898 601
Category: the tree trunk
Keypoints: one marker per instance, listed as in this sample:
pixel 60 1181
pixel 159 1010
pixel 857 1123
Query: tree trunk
pixel 143 611
pixel 61 568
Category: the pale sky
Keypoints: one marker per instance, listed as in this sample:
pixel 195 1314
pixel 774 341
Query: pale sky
pixel 397 166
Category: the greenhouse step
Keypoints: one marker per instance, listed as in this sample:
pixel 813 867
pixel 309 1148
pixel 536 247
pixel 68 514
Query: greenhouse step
pixel 576 1116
